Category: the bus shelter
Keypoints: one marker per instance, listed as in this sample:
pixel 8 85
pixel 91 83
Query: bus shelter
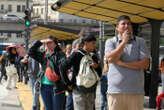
pixel 140 11
pixel 42 31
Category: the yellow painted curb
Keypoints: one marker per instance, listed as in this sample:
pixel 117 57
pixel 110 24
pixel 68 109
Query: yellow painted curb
pixel 25 96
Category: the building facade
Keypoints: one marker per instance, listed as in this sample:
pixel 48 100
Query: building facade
pixel 14 7
pixel 39 11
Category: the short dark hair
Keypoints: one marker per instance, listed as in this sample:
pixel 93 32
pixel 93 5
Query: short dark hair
pixel 162 59
pixel 123 17
pixel 88 38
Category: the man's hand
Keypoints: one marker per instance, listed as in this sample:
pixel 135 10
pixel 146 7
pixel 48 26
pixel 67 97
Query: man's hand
pixel 119 62
pixel 25 60
pixel 94 65
pixel 126 36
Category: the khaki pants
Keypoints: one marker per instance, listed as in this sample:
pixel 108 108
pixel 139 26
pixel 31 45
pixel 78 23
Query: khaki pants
pixel 125 101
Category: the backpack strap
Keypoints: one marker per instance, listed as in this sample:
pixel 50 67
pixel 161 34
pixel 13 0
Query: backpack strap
pixel 81 52
pixel 44 56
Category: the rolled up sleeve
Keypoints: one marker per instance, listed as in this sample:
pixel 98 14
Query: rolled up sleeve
pixel 109 46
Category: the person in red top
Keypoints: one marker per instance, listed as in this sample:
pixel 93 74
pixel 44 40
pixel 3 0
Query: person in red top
pixel 160 96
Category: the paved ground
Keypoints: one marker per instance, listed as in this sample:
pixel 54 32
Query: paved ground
pixel 9 100
pixel 21 98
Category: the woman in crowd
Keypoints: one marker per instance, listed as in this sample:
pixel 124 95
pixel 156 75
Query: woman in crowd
pixel 10 58
pixel 53 54
pixel 68 50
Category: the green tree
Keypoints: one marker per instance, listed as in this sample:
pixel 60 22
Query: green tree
pixel 161 41
pixel 105 38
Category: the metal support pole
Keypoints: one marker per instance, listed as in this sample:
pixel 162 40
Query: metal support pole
pixel 27 29
pixel 101 41
pixel 27 4
pixel 135 28
pixel 155 61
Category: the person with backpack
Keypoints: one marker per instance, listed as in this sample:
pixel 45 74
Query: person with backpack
pixel 50 60
pixel 128 56
pixel 69 101
pixel 33 71
pixel 83 95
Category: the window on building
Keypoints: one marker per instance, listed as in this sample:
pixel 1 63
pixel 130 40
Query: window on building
pixel 75 21
pixel 23 8
pixel 2 7
pixel 61 20
pixel 34 11
pixel 18 35
pixel 9 34
pixel 83 21
pixel 37 11
pixel 31 8
pixel 18 8
pixel 70 20
pixel 1 34
pixel 49 17
pixel 10 8
pixel 92 21
pixel 42 10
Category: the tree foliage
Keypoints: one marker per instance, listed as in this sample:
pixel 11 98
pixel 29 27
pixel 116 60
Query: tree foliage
pixel 105 38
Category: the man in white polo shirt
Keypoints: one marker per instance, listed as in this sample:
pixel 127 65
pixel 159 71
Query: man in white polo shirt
pixel 128 56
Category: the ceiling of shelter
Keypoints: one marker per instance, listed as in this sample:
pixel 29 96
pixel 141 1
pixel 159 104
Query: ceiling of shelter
pixel 109 10
pixel 41 32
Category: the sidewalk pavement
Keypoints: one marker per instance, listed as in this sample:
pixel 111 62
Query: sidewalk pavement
pixel 21 98
pixel 9 100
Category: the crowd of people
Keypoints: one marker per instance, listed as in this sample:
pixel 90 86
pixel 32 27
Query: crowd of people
pixel 121 75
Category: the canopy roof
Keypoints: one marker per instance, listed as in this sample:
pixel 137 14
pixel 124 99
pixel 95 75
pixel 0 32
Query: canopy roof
pixel 42 31
pixel 109 10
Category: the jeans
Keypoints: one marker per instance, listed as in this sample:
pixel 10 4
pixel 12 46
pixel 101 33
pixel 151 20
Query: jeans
pixel 50 100
pixel 69 102
pixel 103 90
pixel 36 103
pixel 20 75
